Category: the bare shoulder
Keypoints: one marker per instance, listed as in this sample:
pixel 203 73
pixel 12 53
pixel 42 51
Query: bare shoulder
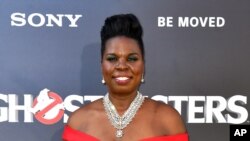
pixel 169 119
pixel 80 119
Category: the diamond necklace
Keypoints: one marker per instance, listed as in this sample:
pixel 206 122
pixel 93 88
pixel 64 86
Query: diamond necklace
pixel 120 122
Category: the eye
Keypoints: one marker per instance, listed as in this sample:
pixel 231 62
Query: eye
pixel 111 58
pixel 132 58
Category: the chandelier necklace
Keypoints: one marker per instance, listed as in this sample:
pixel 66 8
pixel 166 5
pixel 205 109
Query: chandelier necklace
pixel 120 122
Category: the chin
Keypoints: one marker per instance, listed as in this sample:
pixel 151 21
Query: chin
pixel 123 90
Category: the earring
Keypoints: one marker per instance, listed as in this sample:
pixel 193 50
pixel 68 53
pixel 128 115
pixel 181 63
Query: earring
pixel 103 81
pixel 142 79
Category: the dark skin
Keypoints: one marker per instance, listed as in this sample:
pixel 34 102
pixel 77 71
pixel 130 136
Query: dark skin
pixel 122 69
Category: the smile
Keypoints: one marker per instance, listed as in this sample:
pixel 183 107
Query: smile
pixel 122 80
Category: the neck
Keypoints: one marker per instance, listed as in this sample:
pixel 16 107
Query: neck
pixel 122 102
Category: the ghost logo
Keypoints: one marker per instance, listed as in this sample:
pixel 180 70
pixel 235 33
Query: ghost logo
pixel 48 107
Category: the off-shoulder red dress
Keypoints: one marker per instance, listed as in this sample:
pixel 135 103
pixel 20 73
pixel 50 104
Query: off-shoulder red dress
pixel 70 134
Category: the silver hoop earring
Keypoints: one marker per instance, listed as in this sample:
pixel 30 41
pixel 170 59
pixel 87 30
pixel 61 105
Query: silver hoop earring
pixel 103 81
pixel 142 79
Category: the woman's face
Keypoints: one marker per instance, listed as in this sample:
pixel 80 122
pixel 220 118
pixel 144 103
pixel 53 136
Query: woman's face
pixel 122 65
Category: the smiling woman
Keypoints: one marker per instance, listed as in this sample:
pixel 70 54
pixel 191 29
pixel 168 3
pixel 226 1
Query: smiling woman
pixel 124 114
pixel 122 65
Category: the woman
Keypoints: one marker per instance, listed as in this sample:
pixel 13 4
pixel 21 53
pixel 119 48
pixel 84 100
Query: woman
pixel 124 114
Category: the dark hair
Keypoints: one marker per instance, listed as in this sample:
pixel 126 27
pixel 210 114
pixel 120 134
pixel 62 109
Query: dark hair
pixel 122 25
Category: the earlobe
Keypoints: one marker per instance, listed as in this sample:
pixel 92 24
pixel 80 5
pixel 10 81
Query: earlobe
pixel 142 79
pixel 103 81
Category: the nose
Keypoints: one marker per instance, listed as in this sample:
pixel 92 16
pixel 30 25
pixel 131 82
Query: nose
pixel 121 64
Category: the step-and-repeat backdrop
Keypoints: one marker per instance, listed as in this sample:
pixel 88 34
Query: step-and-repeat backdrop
pixel 197 60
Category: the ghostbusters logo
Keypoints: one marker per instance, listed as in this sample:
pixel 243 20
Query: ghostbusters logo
pixel 48 107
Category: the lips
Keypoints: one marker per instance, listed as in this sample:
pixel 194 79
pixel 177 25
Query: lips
pixel 122 80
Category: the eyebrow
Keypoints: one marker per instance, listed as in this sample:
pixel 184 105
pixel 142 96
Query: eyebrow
pixel 134 53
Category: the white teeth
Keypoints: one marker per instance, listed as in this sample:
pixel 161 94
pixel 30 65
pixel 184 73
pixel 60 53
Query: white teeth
pixel 122 78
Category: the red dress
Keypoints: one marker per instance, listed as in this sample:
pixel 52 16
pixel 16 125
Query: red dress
pixel 70 134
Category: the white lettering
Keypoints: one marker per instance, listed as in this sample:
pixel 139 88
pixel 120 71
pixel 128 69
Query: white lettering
pixel 39 16
pixel 200 109
pixel 201 21
pixel 18 19
pixel 69 105
pixel 243 131
pixel 242 113
pixel 48 20
pixel 91 98
pixel 211 22
pixel 73 20
pixel 215 112
pixel 183 22
pixel 194 21
pixel 220 21
pixel 193 109
pixel 14 108
pixel 162 21
pixel 3 110
pixel 239 132
pixel 56 19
